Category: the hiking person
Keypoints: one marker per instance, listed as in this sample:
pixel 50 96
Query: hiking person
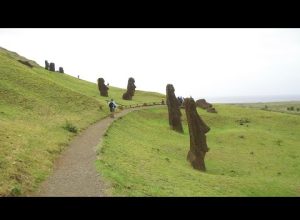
pixel 112 106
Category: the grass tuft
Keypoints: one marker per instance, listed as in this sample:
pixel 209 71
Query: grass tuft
pixel 70 127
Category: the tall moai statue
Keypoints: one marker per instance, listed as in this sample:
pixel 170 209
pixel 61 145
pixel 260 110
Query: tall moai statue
pixel 130 89
pixel 52 67
pixel 46 65
pixel 197 130
pixel 173 109
pixel 61 70
pixel 102 87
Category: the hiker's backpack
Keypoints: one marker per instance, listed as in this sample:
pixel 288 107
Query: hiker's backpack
pixel 111 105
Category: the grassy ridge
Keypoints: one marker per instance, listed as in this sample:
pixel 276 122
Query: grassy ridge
pixel 34 107
pixel 141 156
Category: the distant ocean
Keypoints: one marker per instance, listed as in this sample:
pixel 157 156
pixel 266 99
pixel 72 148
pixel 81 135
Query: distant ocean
pixel 252 99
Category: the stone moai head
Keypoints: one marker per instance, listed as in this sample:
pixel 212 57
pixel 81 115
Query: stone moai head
pixel 102 87
pixel 170 89
pixel 197 130
pixel 170 95
pixel 52 67
pixel 61 70
pixel 130 89
pixel 101 81
pixel 173 109
pixel 46 65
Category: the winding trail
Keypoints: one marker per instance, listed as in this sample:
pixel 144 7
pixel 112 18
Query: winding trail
pixel 74 171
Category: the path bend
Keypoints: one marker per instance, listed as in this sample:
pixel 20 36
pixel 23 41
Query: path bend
pixel 74 172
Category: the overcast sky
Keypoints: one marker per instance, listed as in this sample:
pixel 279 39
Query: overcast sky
pixel 198 62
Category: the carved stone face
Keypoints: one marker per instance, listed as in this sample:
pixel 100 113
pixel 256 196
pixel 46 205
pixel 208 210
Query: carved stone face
pixel 131 80
pixel 131 85
pixel 52 67
pixel 101 81
pixel 170 88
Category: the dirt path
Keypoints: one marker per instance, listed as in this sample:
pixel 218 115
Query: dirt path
pixel 75 172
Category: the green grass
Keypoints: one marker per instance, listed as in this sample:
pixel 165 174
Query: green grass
pixel 34 107
pixel 141 156
pixel 275 106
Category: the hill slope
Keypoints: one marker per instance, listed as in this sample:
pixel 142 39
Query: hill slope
pixel 34 107
pixel 141 156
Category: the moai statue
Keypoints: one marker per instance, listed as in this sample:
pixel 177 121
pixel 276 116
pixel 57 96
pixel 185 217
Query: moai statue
pixel 130 89
pixel 173 108
pixel 46 65
pixel 102 87
pixel 52 67
pixel 197 130
pixel 202 103
pixel 205 105
pixel 61 70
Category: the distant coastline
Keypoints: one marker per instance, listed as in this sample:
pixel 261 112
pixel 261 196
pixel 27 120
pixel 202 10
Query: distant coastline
pixel 253 99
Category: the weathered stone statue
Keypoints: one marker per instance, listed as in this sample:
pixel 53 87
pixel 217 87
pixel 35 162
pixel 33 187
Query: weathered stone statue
pixel 130 89
pixel 52 67
pixel 102 87
pixel 173 109
pixel 61 70
pixel 46 65
pixel 205 105
pixel 202 103
pixel 197 130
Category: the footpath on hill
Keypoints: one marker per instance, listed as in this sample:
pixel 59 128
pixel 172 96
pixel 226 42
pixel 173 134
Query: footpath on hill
pixel 74 171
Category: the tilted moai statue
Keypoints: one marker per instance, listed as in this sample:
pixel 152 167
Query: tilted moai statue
pixel 197 130
pixel 61 70
pixel 52 67
pixel 205 105
pixel 46 65
pixel 130 89
pixel 102 87
pixel 173 109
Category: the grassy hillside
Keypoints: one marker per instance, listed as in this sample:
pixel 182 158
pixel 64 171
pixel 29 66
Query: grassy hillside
pixel 141 156
pixel 34 107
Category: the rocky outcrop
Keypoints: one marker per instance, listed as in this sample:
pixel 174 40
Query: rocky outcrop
pixel 173 109
pixel 130 89
pixel 102 87
pixel 26 63
pixel 197 130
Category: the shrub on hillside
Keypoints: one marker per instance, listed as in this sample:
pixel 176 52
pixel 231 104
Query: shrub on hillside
pixel 243 121
pixel 70 127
